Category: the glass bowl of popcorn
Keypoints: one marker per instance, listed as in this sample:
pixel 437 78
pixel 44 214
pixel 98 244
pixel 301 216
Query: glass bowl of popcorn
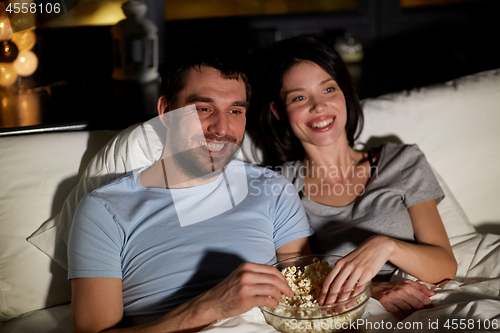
pixel 302 313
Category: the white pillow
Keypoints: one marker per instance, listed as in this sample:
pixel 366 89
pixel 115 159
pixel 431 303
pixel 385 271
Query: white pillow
pixel 36 173
pixel 134 147
pixel 52 320
pixel 454 219
pixel 456 125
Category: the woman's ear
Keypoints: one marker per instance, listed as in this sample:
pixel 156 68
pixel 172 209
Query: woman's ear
pixel 274 110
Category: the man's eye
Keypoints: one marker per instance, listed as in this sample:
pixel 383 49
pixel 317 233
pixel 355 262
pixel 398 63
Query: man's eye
pixel 203 109
pixel 236 111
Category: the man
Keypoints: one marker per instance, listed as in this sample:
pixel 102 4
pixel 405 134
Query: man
pixel 180 244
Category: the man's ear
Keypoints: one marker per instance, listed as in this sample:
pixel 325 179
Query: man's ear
pixel 274 110
pixel 163 106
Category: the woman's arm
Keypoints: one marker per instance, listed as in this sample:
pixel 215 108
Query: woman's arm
pixel 430 260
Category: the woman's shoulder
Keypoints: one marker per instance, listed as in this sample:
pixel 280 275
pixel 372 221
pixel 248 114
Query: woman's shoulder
pixel 400 155
pixel 395 148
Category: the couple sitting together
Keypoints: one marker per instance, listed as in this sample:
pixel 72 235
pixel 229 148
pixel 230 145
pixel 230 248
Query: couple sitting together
pixel 191 239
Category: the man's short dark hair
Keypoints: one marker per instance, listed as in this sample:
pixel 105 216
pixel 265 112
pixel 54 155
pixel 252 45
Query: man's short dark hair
pixel 213 54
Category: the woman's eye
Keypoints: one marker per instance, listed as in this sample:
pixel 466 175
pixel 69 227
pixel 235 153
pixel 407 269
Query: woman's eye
pixel 330 89
pixel 298 98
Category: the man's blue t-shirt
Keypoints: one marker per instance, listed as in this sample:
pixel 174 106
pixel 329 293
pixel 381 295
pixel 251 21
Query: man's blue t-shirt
pixel 170 245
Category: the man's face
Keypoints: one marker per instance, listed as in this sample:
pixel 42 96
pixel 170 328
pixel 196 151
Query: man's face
pixel 221 109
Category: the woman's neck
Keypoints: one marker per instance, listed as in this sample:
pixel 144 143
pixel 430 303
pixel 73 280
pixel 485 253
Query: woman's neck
pixel 319 161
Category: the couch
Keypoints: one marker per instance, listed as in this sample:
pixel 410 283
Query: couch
pixel 42 177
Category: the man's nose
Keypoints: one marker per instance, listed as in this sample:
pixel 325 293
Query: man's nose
pixel 219 124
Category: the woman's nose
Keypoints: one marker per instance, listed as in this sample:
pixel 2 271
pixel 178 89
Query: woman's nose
pixel 317 105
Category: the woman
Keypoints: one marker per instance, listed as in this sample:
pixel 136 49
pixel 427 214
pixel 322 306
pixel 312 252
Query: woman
pixel 377 208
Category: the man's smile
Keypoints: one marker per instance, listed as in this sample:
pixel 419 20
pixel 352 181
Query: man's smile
pixel 212 146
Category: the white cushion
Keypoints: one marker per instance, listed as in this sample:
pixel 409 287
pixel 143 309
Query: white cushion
pixel 134 147
pixel 456 125
pixel 454 219
pixel 52 320
pixel 36 172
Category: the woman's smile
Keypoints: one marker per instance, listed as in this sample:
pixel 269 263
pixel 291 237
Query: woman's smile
pixel 321 124
pixel 314 103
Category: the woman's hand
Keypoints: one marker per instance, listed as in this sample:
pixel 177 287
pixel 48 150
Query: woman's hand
pixel 356 269
pixel 402 298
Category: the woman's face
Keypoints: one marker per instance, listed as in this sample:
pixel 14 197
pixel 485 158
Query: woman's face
pixel 314 103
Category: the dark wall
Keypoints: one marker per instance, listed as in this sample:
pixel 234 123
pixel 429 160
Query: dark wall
pixel 404 48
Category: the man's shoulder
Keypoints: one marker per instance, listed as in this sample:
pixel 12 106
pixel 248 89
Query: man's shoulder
pixel 115 188
pixel 255 171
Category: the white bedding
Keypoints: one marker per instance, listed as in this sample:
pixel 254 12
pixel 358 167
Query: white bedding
pixel 473 296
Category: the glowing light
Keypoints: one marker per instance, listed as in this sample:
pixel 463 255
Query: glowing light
pixel 25 40
pixel 26 63
pixel 8 74
pixel 5 28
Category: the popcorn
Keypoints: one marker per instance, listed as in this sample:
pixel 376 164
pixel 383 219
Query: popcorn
pixel 306 285
pixel 301 313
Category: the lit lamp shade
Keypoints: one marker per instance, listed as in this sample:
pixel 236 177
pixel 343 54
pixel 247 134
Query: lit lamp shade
pixel 25 40
pixel 26 63
pixel 5 28
pixel 8 74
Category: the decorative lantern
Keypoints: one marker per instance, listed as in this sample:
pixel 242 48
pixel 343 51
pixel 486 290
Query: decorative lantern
pixel 5 28
pixel 25 40
pixel 8 74
pixel 135 45
pixel 26 63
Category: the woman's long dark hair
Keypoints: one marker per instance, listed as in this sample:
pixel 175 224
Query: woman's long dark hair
pixel 281 144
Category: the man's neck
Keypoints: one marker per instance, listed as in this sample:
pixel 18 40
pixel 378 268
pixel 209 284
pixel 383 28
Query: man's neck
pixel 164 175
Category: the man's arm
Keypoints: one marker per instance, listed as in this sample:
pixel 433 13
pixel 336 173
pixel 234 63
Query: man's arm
pixel 97 303
pixel 298 247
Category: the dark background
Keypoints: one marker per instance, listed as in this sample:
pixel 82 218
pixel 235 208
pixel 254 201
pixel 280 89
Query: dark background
pixel 404 48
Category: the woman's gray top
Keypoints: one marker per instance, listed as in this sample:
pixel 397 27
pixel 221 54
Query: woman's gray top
pixel 401 178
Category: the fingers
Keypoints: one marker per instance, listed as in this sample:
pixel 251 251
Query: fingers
pixel 325 291
pixel 255 274
pixel 262 294
pixel 333 283
pixel 420 292
pixel 422 287
pixel 248 286
pixel 260 268
pixel 340 287
pixel 393 309
pixel 352 280
pixel 402 298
